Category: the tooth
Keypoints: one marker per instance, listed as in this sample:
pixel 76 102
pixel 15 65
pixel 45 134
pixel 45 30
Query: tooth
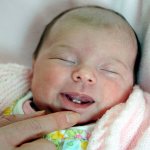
pixel 76 101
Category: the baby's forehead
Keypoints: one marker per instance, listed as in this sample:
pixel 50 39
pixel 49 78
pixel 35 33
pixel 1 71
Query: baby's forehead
pixel 95 17
pixel 88 16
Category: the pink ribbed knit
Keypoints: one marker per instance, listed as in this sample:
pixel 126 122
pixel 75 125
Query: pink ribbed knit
pixel 125 126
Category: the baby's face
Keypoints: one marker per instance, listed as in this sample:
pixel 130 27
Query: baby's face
pixel 84 70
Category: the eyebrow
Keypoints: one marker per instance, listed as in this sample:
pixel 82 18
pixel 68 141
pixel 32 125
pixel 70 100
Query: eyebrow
pixel 64 45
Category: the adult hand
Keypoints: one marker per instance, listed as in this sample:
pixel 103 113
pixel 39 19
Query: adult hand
pixel 24 132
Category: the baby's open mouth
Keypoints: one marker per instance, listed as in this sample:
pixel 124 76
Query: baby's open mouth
pixel 79 98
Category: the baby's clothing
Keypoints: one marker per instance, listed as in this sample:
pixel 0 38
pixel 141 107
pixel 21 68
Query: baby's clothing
pixel 75 138
pixel 125 126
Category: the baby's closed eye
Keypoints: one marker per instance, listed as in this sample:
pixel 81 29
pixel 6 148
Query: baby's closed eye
pixel 64 60
pixel 113 71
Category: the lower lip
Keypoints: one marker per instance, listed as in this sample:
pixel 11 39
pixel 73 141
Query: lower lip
pixel 69 105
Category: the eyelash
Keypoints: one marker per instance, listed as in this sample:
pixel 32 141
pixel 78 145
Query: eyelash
pixel 110 71
pixel 69 61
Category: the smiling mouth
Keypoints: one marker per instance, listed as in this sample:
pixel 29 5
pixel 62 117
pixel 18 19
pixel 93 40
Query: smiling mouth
pixel 79 98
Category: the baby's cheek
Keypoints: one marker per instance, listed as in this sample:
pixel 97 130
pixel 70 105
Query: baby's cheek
pixel 54 75
pixel 115 94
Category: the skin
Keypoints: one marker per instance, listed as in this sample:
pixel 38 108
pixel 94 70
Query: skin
pixel 25 132
pixel 88 61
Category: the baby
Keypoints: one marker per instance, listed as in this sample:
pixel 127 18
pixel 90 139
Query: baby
pixel 84 63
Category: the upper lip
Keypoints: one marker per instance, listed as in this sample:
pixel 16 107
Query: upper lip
pixel 83 97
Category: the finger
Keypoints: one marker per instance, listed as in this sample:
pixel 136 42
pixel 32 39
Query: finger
pixel 40 144
pixel 6 120
pixel 30 129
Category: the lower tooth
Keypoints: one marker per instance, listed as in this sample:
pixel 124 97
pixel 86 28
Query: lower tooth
pixel 76 101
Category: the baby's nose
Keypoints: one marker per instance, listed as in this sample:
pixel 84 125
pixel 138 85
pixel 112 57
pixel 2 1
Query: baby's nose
pixel 84 75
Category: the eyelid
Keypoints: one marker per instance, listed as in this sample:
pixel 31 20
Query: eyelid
pixel 64 59
pixel 67 60
pixel 110 71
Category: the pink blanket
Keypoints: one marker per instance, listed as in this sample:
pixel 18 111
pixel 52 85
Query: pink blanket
pixel 125 126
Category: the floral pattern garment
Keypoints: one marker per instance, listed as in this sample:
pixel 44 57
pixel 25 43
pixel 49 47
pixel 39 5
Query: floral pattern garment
pixel 69 139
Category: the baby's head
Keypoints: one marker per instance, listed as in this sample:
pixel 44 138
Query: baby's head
pixel 84 62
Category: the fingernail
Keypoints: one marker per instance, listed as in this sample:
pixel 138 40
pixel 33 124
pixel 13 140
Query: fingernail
pixel 72 117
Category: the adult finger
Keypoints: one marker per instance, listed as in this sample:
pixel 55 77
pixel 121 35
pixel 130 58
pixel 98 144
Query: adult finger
pixel 26 130
pixel 6 120
pixel 38 145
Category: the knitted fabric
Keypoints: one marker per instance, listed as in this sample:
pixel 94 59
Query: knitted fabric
pixel 14 83
pixel 125 126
